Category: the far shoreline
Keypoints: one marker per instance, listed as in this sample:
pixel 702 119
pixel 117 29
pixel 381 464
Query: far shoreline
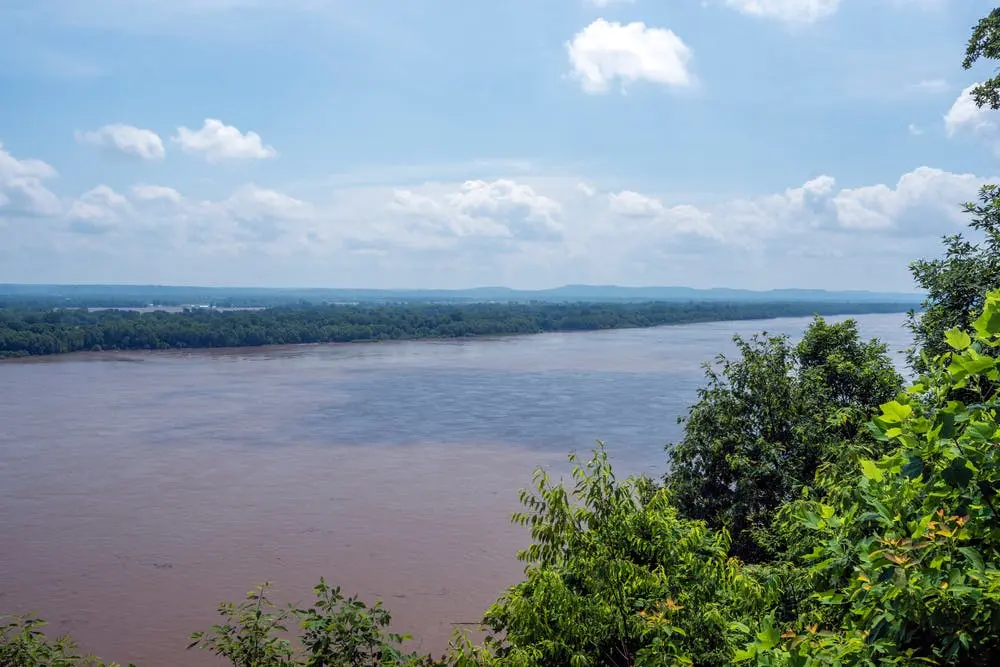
pixel 128 355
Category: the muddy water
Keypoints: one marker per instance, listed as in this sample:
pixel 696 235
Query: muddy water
pixel 138 490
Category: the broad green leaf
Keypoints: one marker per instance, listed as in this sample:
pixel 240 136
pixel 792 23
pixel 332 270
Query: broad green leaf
pixel 974 558
pixel 914 468
pixel 977 366
pixel 958 473
pixel 945 421
pixel 957 339
pixel 871 471
pixel 988 323
pixel 894 412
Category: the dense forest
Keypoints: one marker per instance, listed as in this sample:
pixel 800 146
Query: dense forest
pixel 32 330
pixel 816 512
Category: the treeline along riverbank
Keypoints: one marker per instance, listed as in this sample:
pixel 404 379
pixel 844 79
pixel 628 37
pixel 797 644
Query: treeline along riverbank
pixel 31 331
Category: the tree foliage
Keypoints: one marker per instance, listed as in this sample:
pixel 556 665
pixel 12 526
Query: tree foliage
pixel 985 43
pixel 336 631
pixel 40 331
pixel 906 568
pixel 956 283
pixel 766 420
pixel 23 643
pixel 615 577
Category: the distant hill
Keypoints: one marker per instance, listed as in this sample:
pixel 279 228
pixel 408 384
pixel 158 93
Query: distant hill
pixel 121 295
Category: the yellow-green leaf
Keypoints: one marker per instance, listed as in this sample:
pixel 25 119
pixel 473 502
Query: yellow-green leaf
pixel 894 412
pixel 957 339
pixel 871 471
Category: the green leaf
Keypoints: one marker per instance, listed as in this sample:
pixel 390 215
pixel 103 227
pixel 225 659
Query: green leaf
pixel 871 471
pixel 980 431
pixel 894 412
pixel 973 556
pixel 914 468
pixel 958 473
pixel 988 323
pixel 946 423
pixel 957 339
pixel 977 366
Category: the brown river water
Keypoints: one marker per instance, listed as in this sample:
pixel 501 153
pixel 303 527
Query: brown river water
pixel 137 490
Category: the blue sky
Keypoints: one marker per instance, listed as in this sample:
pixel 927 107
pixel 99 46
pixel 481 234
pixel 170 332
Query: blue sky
pixel 454 143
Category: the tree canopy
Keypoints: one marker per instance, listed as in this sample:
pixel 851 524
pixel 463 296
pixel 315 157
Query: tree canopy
pixel 766 420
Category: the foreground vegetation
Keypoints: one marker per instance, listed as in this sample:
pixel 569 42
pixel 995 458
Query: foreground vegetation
pixel 30 331
pixel 815 513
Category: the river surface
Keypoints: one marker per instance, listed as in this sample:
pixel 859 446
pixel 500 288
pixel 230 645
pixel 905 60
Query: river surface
pixel 137 490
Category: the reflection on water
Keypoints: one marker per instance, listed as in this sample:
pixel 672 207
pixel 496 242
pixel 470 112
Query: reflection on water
pixel 134 496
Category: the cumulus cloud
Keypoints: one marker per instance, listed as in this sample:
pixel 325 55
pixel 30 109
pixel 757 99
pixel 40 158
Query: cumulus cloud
pixel 144 192
pixel 498 209
pixel 607 51
pixel 252 214
pixel 523 212
pixel 965 115
pixel 631 203
pixel 217 142
pixel 22 191
pixel 98 211
pixel 787 11
pixel 126 139
pixel 536 229
pixel 923 201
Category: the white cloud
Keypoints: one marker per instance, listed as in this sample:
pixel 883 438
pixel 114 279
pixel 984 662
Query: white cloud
pixel 630 203
pixel 98 211
pixel 497 209
pixel 788 11
pixel 930 86
pixel 535 230
pixel 22 191
pixel 134 141
pixel 257 214
pixel 144 192
pixel 965 115
pixel 525 213
pixel 915 129
pixel 251 203
pixel 639 219
pixel 923 201
pixel 217 142
pixel 607 3
pixel 605 51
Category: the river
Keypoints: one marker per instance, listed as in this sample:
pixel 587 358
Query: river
pixel 139 489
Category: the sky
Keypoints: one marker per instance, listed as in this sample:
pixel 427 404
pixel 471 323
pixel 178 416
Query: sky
pixel 457 143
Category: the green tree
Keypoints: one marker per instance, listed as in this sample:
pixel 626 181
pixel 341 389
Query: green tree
pixel 615 577
pixel 985 43
pixel 956 282
pixel 336 631
pixel 765 422
pixel 23 643
pixel 906 566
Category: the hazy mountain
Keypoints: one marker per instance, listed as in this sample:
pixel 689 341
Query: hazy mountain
pixel 176 295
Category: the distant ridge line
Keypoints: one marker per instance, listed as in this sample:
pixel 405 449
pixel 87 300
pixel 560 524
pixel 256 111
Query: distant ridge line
pixel 573 292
